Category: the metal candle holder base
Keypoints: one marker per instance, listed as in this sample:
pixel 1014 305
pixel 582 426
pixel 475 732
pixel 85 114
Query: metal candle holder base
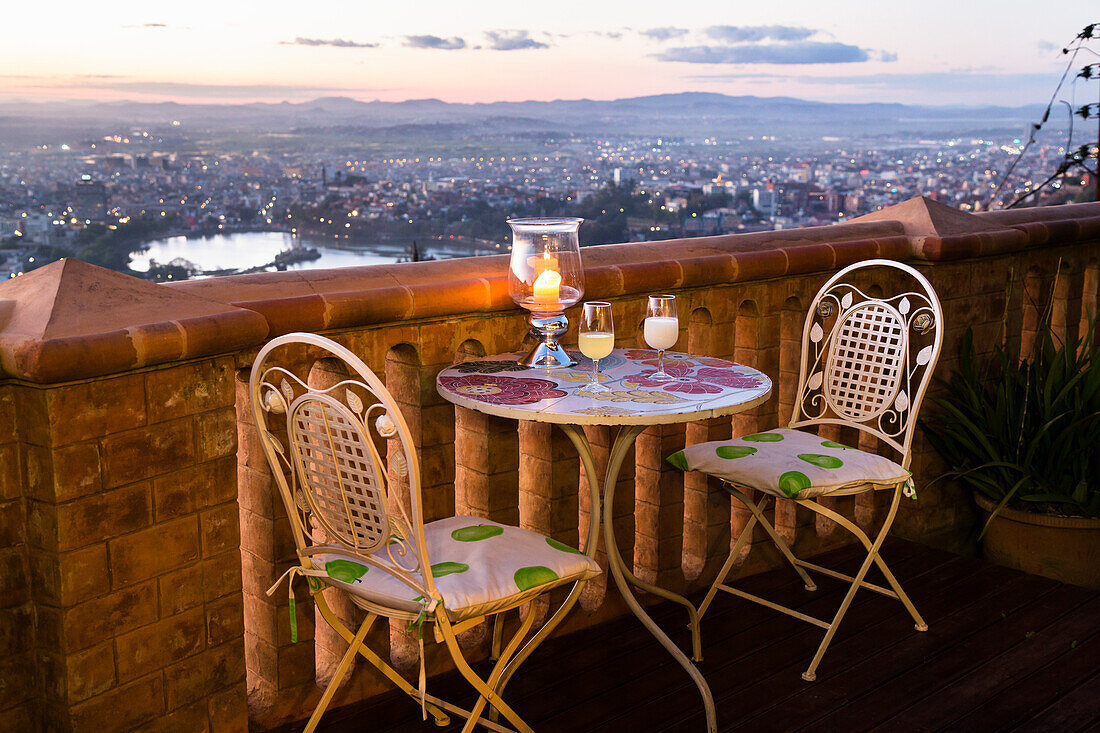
pixel 547 352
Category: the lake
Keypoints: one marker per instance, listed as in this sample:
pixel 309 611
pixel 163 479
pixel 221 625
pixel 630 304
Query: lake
pixel 244 250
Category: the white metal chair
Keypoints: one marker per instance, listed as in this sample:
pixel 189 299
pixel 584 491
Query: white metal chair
pixel 866 363
pixel 354 532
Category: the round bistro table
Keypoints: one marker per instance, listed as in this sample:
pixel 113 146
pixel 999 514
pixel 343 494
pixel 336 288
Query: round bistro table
pixel 702 388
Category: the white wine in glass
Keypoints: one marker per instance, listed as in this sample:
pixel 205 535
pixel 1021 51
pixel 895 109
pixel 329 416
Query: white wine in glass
pixel 662 328
pixel 596 338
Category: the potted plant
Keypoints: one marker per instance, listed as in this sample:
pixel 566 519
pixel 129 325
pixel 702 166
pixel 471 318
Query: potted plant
pixel 1024 434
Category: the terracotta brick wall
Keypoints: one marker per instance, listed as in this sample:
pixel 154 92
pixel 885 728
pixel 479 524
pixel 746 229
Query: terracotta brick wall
pixel 140 527
pixel 131 550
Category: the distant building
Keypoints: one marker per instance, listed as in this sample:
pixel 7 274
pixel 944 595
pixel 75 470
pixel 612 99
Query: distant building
pixel 765 201
pixel 91 201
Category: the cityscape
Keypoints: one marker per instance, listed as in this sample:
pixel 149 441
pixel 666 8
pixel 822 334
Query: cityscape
pixel 104 197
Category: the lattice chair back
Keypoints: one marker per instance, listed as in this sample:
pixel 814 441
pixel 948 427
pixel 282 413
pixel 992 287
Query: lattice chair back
pixel 330 472
pixel 866 361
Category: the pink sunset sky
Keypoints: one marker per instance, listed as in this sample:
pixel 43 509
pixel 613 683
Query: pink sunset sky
pixel 975 52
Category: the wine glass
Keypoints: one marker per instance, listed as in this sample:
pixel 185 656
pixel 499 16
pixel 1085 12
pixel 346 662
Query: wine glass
pixel 596 338
pixel 662 328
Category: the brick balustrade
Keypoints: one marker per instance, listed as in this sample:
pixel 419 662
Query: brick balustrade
pixel 139 526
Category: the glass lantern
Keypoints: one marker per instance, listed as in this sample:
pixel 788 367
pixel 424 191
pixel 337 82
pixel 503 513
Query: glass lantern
pixel 546 277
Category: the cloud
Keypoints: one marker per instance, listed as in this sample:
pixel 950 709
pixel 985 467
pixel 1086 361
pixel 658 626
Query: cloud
pixel 800 52
pixel 503 40
pixel 1047 46
pixel 751 33
pixel 613 35
pixel 147 25
pixel 334 42
pixel 663 34
pixel 218 91
pixel 886 56
pixel 445 44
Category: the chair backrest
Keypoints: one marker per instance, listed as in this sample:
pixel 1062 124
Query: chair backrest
pixel 866 361
pixel 322 445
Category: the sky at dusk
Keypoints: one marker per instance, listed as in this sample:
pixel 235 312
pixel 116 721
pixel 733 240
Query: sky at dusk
pixel 960 52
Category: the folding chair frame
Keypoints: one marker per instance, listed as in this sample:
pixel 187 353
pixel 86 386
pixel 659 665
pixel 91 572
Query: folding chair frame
pixel 801 566
pixel 358 535
pixel 868 369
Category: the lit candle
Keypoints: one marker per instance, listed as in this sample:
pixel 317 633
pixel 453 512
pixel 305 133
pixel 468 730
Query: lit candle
pixel 547 287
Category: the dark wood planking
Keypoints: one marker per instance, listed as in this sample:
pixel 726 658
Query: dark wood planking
pixel 721 638
pixel 882 702
pixel 1077 710
pixel 872 671
pixel 878 623
pixel 865 631
pixel 1036 690
pixel 1048 639
pixel 794 642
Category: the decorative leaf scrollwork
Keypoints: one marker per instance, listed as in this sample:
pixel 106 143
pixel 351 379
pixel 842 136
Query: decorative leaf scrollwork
pixel 288 391
pixel 924 355
pixel 814 382
pixel 354 402
pixel 816 334
pixel 846 301
pixel 903 306
pixel 901 403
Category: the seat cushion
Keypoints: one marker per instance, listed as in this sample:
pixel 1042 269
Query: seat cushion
pixel 479 567
pixel 792 464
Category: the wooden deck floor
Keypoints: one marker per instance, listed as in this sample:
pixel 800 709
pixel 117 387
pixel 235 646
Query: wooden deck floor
pixel 1005 651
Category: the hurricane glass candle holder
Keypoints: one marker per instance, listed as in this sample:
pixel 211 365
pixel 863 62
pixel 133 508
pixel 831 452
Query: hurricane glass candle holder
pixel 545 277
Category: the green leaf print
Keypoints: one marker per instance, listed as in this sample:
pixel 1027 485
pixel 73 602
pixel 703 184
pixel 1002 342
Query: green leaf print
pixel 677 459
pixel 764 438
pixel 834 444
pixel 476 533
pixel 734 451
pixel 447 568
pixel 535 575
pixel 562 546
pixel 346 571
pixel 792 482
pixel 821 460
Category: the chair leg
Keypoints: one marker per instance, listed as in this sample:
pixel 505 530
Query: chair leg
pixel 338 675
pixel 918 621
pixel 872 555
pixel 440 717
pixel 743 538
pixel 500 667
pixel 498 631
pixel 758 512
pixel 478 684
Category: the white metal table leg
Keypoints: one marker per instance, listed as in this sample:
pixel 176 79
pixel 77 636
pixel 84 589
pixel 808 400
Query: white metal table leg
pixel 622 575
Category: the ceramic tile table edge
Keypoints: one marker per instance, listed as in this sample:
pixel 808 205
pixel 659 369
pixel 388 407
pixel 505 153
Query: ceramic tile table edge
pixel 702 388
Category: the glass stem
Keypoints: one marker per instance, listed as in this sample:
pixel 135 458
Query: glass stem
pixel 660 361
pixel 596 372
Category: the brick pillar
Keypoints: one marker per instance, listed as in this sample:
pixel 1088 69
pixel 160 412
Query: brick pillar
pixel 659 507
pixel 133 532
pixel 706 504
pixel 548 482
pixel 17 633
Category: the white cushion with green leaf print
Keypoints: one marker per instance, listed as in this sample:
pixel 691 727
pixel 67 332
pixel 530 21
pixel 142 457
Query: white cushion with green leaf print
pixel 479 567
pixel 791 464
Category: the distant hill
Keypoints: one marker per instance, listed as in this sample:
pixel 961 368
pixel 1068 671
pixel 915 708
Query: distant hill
pixel 683 114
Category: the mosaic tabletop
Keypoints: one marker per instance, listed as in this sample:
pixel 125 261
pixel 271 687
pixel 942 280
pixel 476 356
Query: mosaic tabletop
pixel 702 387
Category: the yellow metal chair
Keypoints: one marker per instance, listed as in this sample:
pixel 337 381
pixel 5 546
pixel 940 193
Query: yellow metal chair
pixel 865 364
pixel 355 531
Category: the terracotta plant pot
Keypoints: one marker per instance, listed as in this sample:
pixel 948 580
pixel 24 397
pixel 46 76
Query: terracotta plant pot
pixel 1066 549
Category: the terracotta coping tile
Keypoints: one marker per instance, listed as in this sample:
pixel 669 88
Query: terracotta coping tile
pixel 52 332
